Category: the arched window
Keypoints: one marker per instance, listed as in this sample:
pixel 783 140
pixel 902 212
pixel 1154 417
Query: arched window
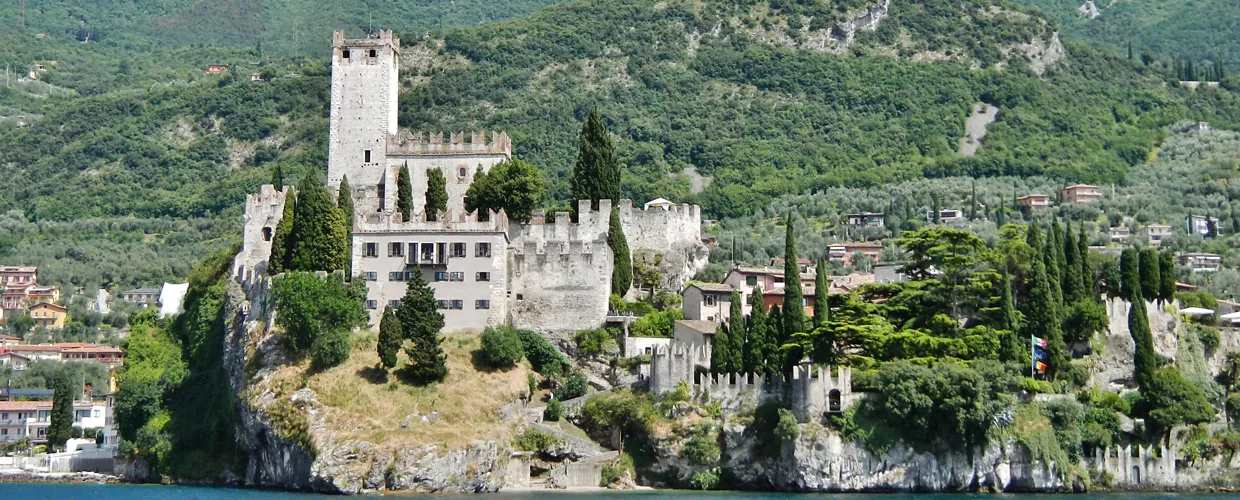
pixel 833 401
pixel 462 172
pixel 266 234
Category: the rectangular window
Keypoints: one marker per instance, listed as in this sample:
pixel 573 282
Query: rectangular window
pixel 457 277
pixel 427 254
pixel 482 250
pixel 370 276
pixel 441 276
pixel 409 275
pixel 367 155
pixel 456 304
pixel 394 304
pixel 372 249
pixel 458 249
pixel 442 304
pixel 482 276
pixel 372 304
pixel 396 276
pixel 396 249
pixel 751 280
pixel 482 304
pixel 709 299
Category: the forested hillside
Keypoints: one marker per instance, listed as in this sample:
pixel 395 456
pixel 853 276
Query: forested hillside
pixel 1197 29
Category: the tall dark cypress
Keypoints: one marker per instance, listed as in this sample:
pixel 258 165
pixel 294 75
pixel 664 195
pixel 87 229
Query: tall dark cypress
pixel 822 311
pixel 794 300
pixel 737 334
pixel 1072 268
pixel 1009 345
pixel 622 258
pixel 596 174
pixel 1166 276
pixel 436 194
pixel 1042 317
pixel 973 200
pixel 1145 361
pixel 281 242
pixel 1130 274
pixel 390 338
pixel 344 201
pixel 277 177
pixel 1149 268
pixel 1087 271
pixel 1000 214
pixel 774 351
pixel 58 432
pixel 757 346
pixel 319 240
pixel 1053 274
pixel 721 351
pixel 420 322
pixel 404 194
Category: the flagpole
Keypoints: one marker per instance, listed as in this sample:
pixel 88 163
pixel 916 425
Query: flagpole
pixel 1033 362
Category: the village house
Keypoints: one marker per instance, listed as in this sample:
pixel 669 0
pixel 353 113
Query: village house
pixel 707 302
pixel 1200 262
pixel 660 203
pixel 49 315
pixel 1154 233
pixel 776 298
pixel 1034 201
pixel 216 69
pixel 30 419
pixel 946 215
pixel 1120 234
pixel 745 279
pixel 804 265
pixel 842 253
pixel 13 360
pixel 1200 224
pixel 104 354
pixel 144 296
pixel 694 332
pixel 866 219
pixel 1081 193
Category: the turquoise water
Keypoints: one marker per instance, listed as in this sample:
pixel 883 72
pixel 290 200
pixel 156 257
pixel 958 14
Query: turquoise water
pixel 22 491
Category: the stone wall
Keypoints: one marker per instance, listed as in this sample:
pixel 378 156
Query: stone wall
pixel 364 96
pixel 561 271
pixel 675 233
pixel 1115 363
pixel 263 212
pixel 420 155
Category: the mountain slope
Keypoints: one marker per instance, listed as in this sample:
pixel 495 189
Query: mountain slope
pixel 1199 29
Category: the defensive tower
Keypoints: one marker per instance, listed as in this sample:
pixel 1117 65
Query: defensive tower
pixel 365 88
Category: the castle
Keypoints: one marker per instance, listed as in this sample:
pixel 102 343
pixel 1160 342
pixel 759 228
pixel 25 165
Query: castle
pixel 550 275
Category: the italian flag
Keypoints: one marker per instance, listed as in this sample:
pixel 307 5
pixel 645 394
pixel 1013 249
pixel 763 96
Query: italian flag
pixel 1040 342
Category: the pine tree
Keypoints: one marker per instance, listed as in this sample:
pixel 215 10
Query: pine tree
pixel 822 311
pixel 622 268
pixel 404 194
pixel 436 194
pixel 420 322
pixel 1149 271
pixel 390 338
pixel 281 241
pixel 1144 358
pixel 596 174
pixel 58 432
pixel 1211 227
pixel 344 201
pixel 277 177
pixel 1010 345
pixel 794 300
pixel 1072 268
pixel 1166 276
pixel 319 240
pixel 736 329
pixel 755 354
pixel 721 352
pixel 1129 274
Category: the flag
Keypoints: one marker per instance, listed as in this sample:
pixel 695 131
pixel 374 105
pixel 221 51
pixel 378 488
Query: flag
pixel 1040 342
pixel 1038 353
pixel 1040 366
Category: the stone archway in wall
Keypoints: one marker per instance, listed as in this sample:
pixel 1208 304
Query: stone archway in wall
pixel 1136 475
pixel 834 403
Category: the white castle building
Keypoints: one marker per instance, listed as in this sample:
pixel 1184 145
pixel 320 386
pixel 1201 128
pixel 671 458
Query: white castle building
pixel 485 269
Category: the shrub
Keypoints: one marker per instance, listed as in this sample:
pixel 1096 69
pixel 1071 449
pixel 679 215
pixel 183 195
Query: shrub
pixel 575 387
pixel 501 347
pixel 330 349
pixel 534 440
pixel 1209 338
pixel 545 358
pixel 658 324
pixel 310 306
pixel 705 480
pixel 554 411
pixel 615 470
pixel 787 428
pixel 532 381
pixel 594 342
pixel 1036 386
pixel 702 448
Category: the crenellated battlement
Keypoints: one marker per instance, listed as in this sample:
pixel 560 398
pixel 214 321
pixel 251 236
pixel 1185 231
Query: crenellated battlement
pixel 447 222
pixel 561 235
pixel 384 38
pixel 405 142
pixel 263 211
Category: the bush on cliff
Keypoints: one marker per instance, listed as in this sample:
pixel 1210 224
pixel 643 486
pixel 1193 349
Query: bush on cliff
pixel 545 358
pixel 501 347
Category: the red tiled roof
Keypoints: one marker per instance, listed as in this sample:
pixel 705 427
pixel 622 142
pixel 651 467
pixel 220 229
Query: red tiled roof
pixel 24 405
pixel 90 349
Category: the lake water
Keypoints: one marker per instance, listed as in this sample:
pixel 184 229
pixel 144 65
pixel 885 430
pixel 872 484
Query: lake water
pixel 154 492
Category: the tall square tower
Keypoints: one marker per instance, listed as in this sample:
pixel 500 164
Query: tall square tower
pixel 365 95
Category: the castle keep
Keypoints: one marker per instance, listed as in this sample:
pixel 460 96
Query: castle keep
pixel 549 274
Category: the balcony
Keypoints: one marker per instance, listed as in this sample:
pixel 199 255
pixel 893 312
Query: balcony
pixel 427 254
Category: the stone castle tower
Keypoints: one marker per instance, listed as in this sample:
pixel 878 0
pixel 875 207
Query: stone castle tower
pixel 365 92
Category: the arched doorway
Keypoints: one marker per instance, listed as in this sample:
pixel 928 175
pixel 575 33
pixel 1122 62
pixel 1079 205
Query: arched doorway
pixel 833 401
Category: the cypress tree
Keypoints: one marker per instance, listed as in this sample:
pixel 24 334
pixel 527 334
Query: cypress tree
pixel 1053 275
pixel 1166 276
pixel 1149 269
pixel 737 334
pixel 404 194
pixel 344 201
pixel 390 338
pixel 1000 214
pixel 277 177
pixel 973 200
pixel 1211 227
pixel 596 174
pixel 1010 345
pixel 1130 51
pixel 1061 260
pixel 934 208
pixel 775 340
pixel 1144 359
pixel 721 352
pixel 1033 237
pixel 1072 268
pixel 822 311
pixel 281 242
pixel 1129 274
pixel 1042 318
pixel 436 194
pixel 319 240
pixel 420 322
pixel 1087 271
pixel 794 300
pixel 755 354
pixel 622 269
pixel 58 432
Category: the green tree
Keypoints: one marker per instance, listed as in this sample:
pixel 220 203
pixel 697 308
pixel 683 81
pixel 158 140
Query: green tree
pixel 310 306
pixel 501 347
pixel 822 311
pixel 514 186
pixel 1042 318
pixel 1169 400
pixel 720 352
pixel 622 267
pixel 1144 358
pixel 63 395
pixel 421 322
pixel 277 177
pixel 1010 345
pixel 331 348
pixel 596 174
pixel 1072 279
pixel 390 338
pixel 777 359
pixel 436 194
pixel 736 332
pixel 1051 258
pixel 1149 267
pixel 1166 276
pixel 794 300
pixel 344 202
pixel 1130 274
pixel 755 354
pixel 973 200
pixel 282 242
pixel 1087 272
pixel 404 194
pixel 320 242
